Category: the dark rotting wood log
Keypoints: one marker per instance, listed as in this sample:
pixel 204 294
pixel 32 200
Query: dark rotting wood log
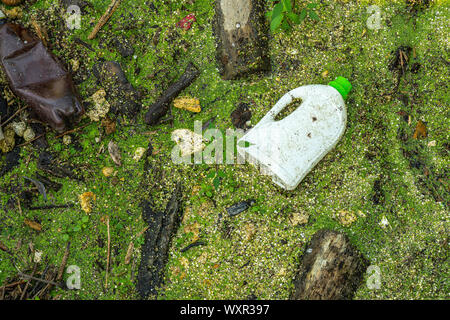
pixel 155 251
pixel 330 269
pixel 241 33
pixel 160 108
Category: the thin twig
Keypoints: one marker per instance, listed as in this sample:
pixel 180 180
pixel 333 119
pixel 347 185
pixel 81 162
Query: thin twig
pixel 63 263
pixel 109 12
pixel 108 253
pixel 12 284
pixel 28 282
pixel 26 276
pixel 62 206
pixel 13 116
pixel 32 140
pixel 39 31
pixel 72 131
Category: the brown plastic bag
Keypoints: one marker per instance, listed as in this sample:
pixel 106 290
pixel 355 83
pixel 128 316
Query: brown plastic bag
pixel 38 77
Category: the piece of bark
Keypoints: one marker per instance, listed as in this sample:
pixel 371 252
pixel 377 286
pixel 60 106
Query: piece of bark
pixel 35 75
pixel 155 251
pixel 331 268
pixel 241 34
pixel 121 95
pixel 160 108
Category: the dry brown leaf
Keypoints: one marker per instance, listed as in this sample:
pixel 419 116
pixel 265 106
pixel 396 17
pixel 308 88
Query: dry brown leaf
pixel 109 125
pixel 3 247
pixel 107 171
pixel 190 104
pixel 33 225
pixel 421 130
pixel 86 201
pixel 129 252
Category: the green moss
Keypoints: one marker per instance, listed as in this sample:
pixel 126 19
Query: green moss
pixel 369 161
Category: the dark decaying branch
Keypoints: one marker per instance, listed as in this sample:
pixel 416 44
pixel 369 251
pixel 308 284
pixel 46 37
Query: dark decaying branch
pixel 162 227
pixel 161 106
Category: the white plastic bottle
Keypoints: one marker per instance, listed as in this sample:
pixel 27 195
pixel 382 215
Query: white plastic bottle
pixel 288 149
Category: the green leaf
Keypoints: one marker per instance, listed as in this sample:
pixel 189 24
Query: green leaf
pixel 286 26
pixel 287 5
pixel 85 219
pixel 221 174
pixel 303 14
pixel 312 5
pixel 216 182
pixel 269 14
pixel 294 17
pixel 313 15
pixel 276 22
pixel 277 10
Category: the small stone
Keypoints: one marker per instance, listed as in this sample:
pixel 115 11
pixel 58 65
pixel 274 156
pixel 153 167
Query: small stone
pixel 101 106
pixel 384 222
pixel 19 128
pixel 107 171
pixel 346 218
pixel 299 218
pixel 8 142
pixel 249 231
pixel 67 139
pixel 75 65
pixel 29 134
pixel 37 256
pixel 14 13
pixel 139 153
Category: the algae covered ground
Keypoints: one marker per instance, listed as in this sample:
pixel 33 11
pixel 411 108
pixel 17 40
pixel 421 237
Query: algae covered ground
pixel 385 185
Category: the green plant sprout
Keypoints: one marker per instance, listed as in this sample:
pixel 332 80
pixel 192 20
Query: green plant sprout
pixel 283 15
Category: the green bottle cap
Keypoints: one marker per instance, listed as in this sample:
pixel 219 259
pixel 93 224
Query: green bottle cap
pixel 342 85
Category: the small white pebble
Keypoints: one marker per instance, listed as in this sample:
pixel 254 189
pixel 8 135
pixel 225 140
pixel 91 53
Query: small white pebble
pixel 67 140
